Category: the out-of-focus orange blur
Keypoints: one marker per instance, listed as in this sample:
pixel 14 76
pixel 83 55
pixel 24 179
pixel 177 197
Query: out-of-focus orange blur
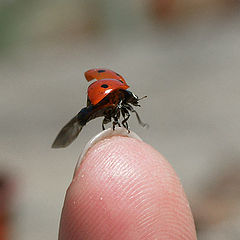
pixel 6 204
pixel 176 10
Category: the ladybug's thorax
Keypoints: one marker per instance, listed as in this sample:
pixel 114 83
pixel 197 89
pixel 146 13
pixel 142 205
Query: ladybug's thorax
pixel 102 88
pixel 115 97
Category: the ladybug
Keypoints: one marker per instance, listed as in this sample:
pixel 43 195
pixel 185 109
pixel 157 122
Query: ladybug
pixel 107 97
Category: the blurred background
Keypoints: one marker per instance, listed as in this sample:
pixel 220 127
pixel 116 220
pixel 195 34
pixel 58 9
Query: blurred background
pixel 184 55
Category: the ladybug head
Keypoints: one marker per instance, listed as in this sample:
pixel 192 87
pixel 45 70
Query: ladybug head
pixel 132 98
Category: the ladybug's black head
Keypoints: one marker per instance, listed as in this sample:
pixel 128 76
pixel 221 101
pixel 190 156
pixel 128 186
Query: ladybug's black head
pixel 132 98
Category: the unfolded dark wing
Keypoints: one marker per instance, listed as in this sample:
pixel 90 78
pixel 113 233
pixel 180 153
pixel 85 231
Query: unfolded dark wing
pixel 71 130
pixel 68 133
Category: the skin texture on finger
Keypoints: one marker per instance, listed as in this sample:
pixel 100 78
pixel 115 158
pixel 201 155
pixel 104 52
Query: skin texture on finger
pixel 124 189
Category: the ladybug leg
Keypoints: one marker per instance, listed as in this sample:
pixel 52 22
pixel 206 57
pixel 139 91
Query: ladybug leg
pixel 116 117
pixel 115 122
pixel 125 112
pixel 130 108
pixel 105 121
pixel 103 128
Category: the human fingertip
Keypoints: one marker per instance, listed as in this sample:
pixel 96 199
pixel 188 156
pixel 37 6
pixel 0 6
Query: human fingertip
pixel 125 189
pixel 108 133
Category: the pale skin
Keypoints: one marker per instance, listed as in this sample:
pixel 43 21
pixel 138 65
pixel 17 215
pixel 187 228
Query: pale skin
pixel 125 190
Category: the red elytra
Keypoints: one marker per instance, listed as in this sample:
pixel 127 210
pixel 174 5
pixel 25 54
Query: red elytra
pixel 102 73
pixel 101 88
pixel 107 81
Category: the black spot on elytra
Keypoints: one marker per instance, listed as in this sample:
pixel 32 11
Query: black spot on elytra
pixel 100 71
pixel 104 86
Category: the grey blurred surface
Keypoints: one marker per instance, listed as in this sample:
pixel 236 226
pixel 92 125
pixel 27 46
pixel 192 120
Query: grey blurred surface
pixel 191 78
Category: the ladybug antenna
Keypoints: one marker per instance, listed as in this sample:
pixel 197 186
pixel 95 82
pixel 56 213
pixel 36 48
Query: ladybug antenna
pixel 142 98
